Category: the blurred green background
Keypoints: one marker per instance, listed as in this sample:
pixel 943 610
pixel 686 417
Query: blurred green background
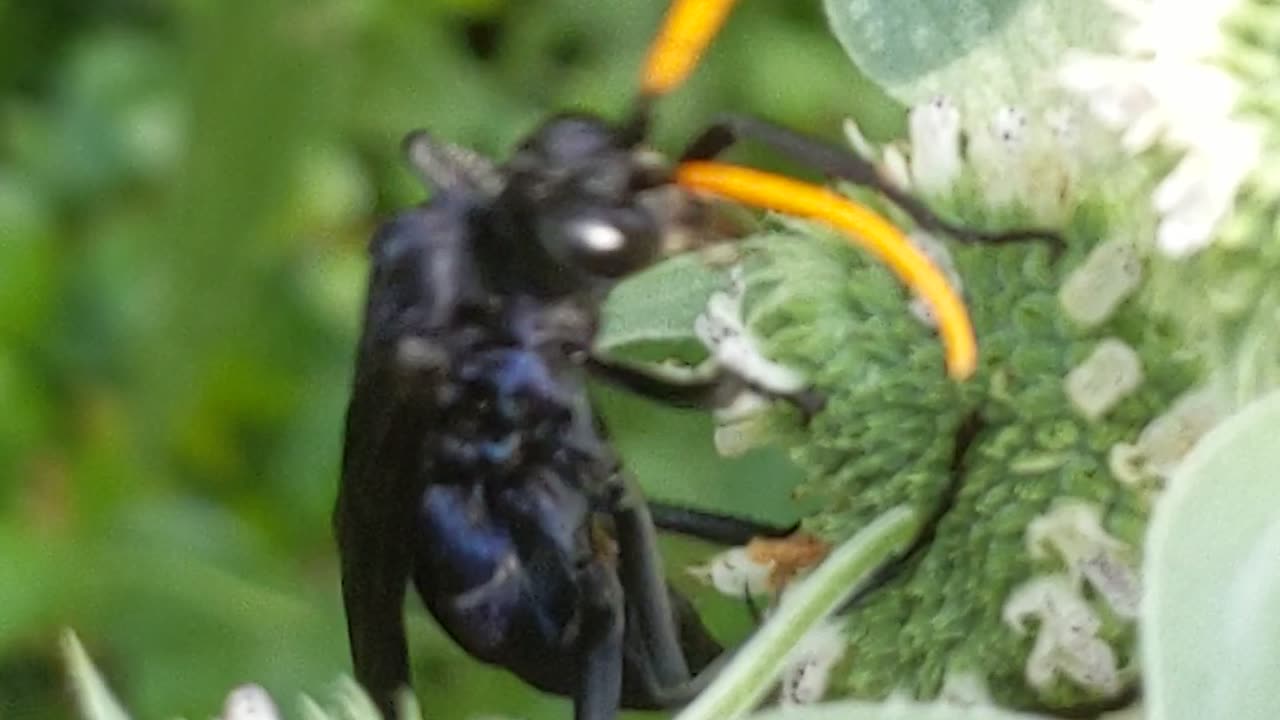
pixel 186 189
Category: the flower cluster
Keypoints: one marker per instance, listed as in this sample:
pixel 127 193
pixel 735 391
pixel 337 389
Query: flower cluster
pixel 1166 86
pixel 1026 591
pixel 1192 85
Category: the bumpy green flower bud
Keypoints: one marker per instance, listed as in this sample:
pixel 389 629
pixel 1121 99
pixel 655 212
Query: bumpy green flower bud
pixel 1028 586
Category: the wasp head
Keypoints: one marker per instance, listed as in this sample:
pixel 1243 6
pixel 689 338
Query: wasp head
pixel 575 191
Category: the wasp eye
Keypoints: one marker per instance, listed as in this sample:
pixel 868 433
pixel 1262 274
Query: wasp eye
pixel 597 237
pixel 609 243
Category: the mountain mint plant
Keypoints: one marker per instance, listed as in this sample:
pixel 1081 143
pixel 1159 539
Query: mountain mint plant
pixel 1146 136
pixel 1143 138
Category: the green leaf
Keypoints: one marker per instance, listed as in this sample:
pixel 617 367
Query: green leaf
pixel 650 316
pixel 1211 633
pixel 981 53
pixel 861 710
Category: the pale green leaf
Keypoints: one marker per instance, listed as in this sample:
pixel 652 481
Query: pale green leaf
pixel 981 53
pixel 1211 630
pixel 650 316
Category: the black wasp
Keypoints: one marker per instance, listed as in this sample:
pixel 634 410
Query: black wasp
pixel 474 466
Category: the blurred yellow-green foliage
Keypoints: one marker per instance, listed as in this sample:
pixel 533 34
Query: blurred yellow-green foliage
pixel 185 192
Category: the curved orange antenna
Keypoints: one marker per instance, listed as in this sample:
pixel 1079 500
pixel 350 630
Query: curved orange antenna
pixel 686 31
pixel 863 227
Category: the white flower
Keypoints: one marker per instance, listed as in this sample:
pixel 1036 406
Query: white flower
pixel 1198 194
pixel 735 573
pixel 1167 439
pixel 1073 531
pixel 1094 289
pixel 1111 373
pixel 1016 156
pixel 1166 88
pixel 1067 641
pixel 250 702
pixel 935 145
pixel 741 425
pixel 809 665
pixel 764 565
pixel 722 329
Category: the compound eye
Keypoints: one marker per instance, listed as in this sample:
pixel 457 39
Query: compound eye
pixel 609 243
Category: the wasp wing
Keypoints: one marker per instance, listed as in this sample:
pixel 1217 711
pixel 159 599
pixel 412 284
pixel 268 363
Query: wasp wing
pixel 418 277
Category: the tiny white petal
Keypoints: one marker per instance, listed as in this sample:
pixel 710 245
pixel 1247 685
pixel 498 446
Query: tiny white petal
pixel 735 573
pixel 896 169
pixel 934 129
pixel 742 425
pixel 1010 126
pixel 250 702
pixel 1198 194
pixel 1143 132
pixel 1112 87
pixel 1168 89
pixel 1072 530
pixel 745 405
pixel 1016 161
pixel 1127 465
pixel 1110 374
pixel 1109 274
pixel 1064 125
pixel 1066 642
pixel 721 329
pixel 808 667
pixel 859 142
pixel 1167 439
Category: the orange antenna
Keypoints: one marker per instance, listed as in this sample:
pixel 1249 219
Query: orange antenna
pixel 685 34
pixel 863 227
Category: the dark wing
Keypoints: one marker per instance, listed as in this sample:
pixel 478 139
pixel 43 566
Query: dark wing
pixel 420 266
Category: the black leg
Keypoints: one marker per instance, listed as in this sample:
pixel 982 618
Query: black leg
pixel 697 393
pixel 657 662
pixel 680 694
pixel 712 527
pixel 600 652
pixel 646 587
pixel 837 162
pixel 659 665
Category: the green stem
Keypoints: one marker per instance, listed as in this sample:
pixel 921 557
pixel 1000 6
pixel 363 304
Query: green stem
pixel 757 666
pixel 92 695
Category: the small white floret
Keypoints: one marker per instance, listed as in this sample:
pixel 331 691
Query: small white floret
pixel 1066 641
pixel 1072 530
pixel 934 129
pixel 1110 374
pixel 250 702
pixel 808 668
